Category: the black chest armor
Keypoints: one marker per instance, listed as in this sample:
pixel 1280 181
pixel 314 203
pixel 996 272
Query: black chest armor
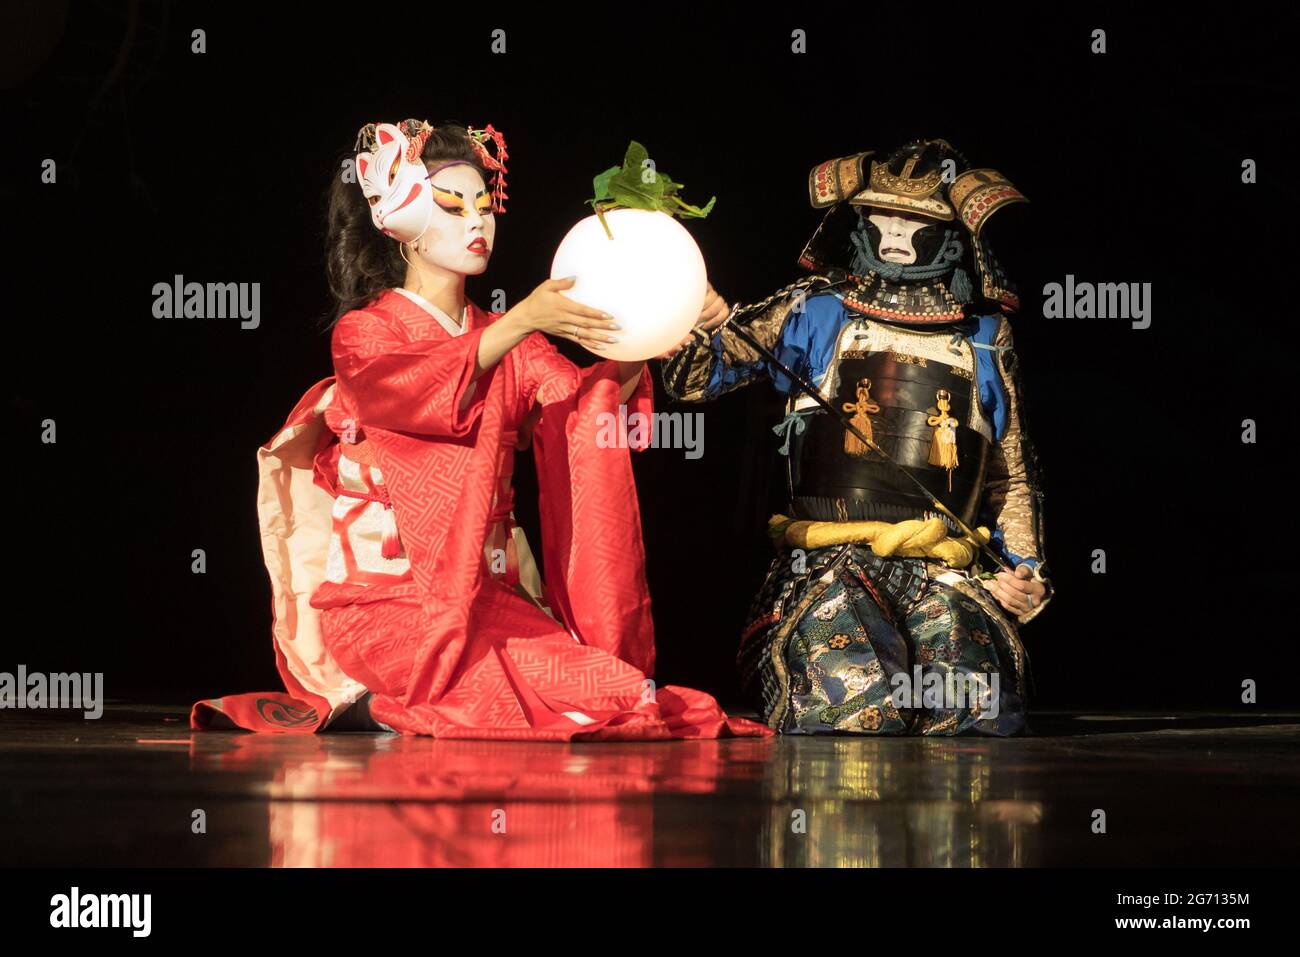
pixel 830 483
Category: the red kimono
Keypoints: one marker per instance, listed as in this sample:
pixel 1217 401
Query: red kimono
pixel 384 505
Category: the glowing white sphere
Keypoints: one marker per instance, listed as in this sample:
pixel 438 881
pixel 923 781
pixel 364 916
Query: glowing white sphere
pixel 650 277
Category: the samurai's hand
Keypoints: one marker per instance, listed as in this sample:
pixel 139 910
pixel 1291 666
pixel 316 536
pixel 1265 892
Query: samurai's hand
pixel 1019 593
pixel 714 311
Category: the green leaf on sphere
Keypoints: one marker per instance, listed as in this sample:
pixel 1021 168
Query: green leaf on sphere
pixel 638 184
pixel 635 157
pixel 688 211
pixel 601 183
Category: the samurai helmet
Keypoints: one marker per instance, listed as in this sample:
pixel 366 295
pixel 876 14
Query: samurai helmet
pixel 929 179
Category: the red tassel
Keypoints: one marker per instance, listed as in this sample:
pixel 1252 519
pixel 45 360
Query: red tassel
pixel 495 163
pixel 390 545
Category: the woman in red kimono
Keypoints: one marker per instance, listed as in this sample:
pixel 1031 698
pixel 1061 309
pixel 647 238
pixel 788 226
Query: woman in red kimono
pixel 404 597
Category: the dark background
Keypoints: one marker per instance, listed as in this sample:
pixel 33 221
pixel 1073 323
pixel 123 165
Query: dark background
pixel 215 166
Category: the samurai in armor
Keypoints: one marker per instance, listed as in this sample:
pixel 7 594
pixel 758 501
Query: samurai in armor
pixel 881 614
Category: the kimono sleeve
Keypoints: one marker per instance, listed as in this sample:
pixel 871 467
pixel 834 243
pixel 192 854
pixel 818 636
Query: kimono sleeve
pixel 547 378
pixel 590 521
pixel 424 387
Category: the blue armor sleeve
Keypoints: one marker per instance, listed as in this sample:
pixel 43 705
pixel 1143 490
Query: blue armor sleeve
pixel 807 343
pixel 993 395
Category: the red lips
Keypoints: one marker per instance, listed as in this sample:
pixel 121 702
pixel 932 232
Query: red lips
pixel 479 246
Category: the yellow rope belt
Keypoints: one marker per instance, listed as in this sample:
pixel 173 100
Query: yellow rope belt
pixel 915 538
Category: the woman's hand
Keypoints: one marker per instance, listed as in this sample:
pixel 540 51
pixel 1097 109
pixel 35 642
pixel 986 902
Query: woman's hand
pixel 1019 593
pixel 548 310
pixel 545 310
pixel 713 313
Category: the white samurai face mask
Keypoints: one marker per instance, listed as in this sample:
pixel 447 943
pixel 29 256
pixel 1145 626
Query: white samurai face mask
pixel 896 233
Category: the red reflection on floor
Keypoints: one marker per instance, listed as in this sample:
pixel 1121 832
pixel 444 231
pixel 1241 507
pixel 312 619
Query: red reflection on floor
pixel 413 802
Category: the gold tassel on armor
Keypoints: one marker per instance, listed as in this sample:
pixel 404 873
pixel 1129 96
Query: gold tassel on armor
pixel 943 446
pixel 861 410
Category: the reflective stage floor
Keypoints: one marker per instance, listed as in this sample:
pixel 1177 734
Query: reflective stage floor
pixel 1187 789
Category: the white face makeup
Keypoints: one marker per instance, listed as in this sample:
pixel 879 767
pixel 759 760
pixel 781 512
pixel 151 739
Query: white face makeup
pixel 896 232
pixel 462 228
